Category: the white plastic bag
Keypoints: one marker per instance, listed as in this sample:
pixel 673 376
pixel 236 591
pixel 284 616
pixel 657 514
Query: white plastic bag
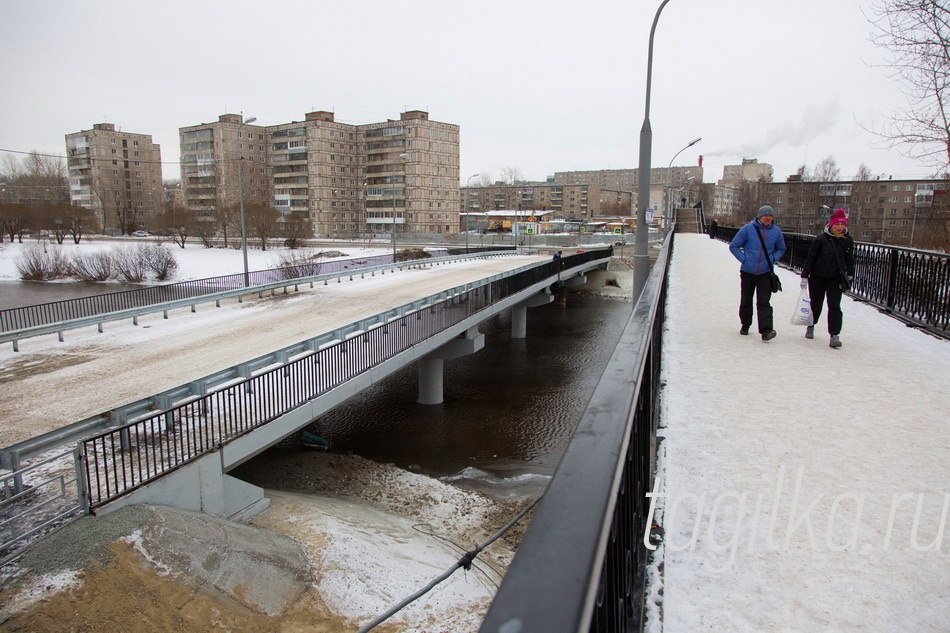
pixel 802 314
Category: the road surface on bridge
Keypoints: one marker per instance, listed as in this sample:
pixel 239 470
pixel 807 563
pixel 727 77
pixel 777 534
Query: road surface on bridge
pixel 48 384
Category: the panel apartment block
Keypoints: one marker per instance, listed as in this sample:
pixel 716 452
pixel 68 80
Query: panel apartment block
pixel 568 202
pixel 412 174
pixel 348 180
pixel 899 212
pixel 215 157
pixel 117 175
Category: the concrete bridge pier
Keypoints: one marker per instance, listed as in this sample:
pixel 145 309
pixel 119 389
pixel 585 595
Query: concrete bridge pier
pixel 431 366
pixel 519 313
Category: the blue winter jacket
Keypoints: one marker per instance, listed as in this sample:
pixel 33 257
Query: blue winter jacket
pixel 747 248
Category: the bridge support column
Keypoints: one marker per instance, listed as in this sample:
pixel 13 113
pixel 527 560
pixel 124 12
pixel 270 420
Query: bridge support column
pixel 519 313
pixel 432 365
pixel 519 321
pixel 430 380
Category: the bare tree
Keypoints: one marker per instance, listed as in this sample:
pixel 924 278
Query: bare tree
pixel 917 34
pixel 262 222
pixel 55 218
pixel 179 222
pixel 45 170
pixel 81 220
pixel 109 203
pixel 227 217
pixel 511 175
pixel 864 173
pixel 10 170
pixel 295 229
pixel 15 220
pixel 826 170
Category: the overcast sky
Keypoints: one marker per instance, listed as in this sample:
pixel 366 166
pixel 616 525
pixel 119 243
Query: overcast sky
pixel 542 86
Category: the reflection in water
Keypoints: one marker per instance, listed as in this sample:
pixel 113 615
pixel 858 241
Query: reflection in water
pixel 509 410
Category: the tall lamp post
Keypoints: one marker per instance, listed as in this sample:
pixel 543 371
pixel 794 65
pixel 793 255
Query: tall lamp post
pixel 669 179
pixel 641 260
pixel 392 182
pixel 241 200
pixel 468 184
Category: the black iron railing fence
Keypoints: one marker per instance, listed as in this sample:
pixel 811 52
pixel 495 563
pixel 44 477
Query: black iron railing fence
pixel 25 317
pixel 120 460
pixel 907 283
pixel 580 565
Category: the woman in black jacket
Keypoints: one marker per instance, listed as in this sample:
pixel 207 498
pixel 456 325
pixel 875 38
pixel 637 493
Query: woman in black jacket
pixel 827 273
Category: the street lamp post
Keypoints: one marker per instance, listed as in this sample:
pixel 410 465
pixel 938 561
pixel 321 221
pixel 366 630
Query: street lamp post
pixel 392 182
pixel 241 200
pixel 641 260
pixel 669 179
pixel 468 184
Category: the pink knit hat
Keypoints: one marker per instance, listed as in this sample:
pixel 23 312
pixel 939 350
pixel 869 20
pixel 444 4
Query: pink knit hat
pixel 838 216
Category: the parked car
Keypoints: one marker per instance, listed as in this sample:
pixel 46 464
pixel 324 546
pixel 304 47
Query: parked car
pixel 142 234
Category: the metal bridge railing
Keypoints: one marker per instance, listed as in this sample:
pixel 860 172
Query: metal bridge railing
pixel 119 460
pixel 910 284
pixel 580 564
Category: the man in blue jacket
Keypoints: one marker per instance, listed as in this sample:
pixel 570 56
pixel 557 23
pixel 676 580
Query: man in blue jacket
pixel 755 273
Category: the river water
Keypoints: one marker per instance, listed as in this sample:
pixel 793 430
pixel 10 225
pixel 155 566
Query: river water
pixel 509 410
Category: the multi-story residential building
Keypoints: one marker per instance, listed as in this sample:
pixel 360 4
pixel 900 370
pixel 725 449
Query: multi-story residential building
pixel 576 202
pixel 738 189
pixel 216 158
pixel 412 174
pixel 899 212
pixel 346 180
pixel 567 202
pixel 667 184
pixel 117 175
pixel 749 170
pixel 616 179
pixel 324 184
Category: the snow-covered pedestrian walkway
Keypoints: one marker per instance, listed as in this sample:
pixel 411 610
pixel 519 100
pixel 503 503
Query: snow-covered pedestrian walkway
pixel 806 488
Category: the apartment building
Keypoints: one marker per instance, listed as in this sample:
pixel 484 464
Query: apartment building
pixel 346 180
pixel 735 194
pixel 580 202
pixel 117 175
pixel 748 169
pixel 216 158
pixel 899 212
pixel 667 184
pixel 325 184
pixel 412 174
